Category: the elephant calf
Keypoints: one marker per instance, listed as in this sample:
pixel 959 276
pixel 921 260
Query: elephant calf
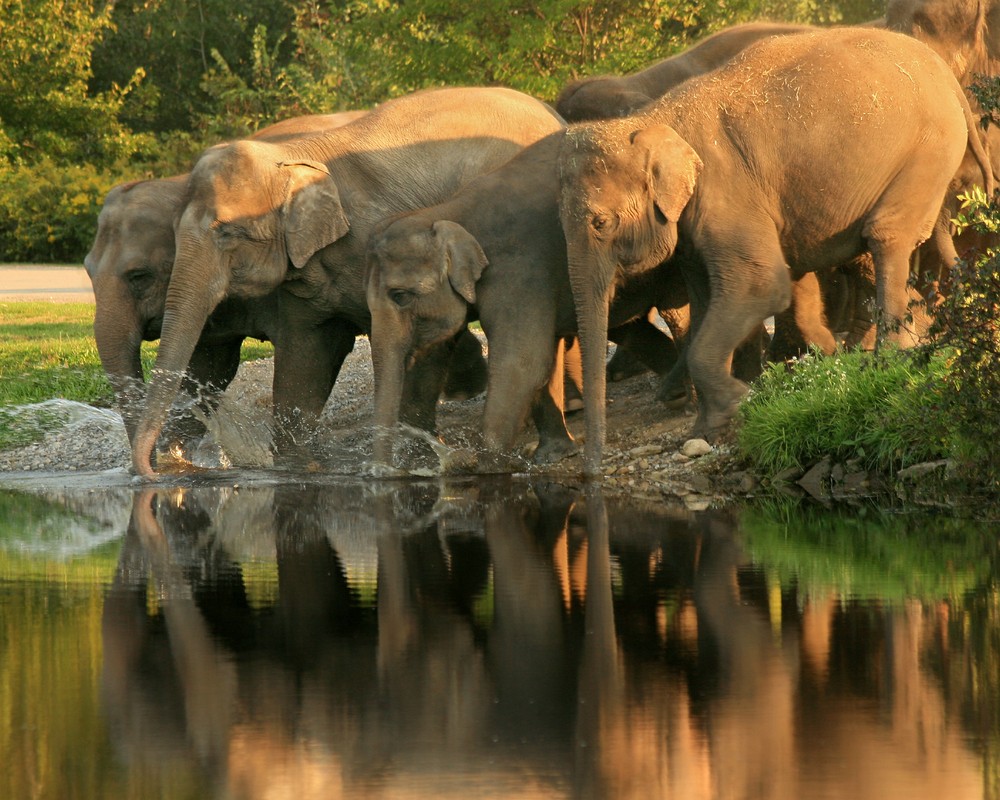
pixel 494 251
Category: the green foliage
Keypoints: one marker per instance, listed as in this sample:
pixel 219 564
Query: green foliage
pixel 967 323
pixel 48 211
pixel 46 107
pixel 174 40
pixel 884 410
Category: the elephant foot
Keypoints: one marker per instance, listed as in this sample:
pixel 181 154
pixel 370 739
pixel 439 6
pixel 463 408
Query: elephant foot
pixel 552 451
pixel 712 425
pixel 673 395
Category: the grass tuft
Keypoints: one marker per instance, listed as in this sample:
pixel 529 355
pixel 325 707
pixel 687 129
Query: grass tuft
pixel 878 409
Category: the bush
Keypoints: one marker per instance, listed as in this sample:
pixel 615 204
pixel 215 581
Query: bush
pixel 967 325
pixel 48 213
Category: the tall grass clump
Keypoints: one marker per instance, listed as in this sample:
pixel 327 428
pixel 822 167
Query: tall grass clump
pixel 882 410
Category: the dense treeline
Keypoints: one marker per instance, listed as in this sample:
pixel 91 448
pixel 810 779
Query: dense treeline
pixel 94 94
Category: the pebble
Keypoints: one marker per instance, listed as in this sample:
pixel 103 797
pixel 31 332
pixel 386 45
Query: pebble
pixel 693 448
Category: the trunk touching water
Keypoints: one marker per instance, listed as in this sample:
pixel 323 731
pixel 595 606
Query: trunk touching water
pixel 388 362
pixel 118 333
pixel 591 295
pixel 187 309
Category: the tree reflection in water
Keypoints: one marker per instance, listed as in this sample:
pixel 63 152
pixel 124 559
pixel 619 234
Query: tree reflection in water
pixel 500 639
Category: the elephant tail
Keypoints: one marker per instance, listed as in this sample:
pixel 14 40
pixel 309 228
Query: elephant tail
pixel 977 147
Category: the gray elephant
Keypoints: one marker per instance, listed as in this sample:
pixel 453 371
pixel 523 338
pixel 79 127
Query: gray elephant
pixel 607 96
pixel 872 127
pixel 129 266
pixel 297 216
pixel 494 251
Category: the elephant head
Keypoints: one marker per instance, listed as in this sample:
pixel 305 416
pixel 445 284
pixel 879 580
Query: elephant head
pixel 623 188
pixel 252 209
pixel 129 267
pixel 601 97
pixel 965 33
pixel 421 279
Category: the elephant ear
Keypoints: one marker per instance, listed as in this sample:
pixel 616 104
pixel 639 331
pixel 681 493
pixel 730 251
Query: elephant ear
pixel 464 258
pixel 313 214
pixel 673 168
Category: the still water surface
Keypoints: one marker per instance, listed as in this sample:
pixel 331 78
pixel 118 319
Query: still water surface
pixel 480 639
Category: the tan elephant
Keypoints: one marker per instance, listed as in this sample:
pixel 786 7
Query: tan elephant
pixel 816 148
pixel 297 216
pixel 608 96
pixel 129 265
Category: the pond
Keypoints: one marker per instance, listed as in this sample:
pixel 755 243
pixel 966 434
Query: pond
pixel 480 638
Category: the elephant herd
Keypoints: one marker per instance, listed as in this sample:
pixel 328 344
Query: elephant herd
pixel 746 178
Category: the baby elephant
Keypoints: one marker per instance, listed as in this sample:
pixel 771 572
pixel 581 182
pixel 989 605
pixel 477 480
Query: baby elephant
pixel 495 252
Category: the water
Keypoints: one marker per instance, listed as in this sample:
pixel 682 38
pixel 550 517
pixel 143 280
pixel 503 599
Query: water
pixel 267 637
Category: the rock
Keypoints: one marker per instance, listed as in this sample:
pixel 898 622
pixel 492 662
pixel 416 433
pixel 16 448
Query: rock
pixel 646 450
pixel 697 502
pixel 816 481
pixel 789 475
pixel 701 484
pixel 680 458
pixel 693 448
pixel 851 484
pixel 918 471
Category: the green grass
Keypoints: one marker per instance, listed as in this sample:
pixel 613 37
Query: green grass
pixel 47 351
pixel 882 410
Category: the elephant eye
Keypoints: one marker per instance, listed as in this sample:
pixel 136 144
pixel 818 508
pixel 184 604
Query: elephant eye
pixel 601 223
pixel 139 279
pixel 401 297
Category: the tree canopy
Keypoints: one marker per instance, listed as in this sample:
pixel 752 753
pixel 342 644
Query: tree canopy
pixel 95 93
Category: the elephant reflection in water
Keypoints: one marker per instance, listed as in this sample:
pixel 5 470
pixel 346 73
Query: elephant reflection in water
pixel 218 702
pixel 576 680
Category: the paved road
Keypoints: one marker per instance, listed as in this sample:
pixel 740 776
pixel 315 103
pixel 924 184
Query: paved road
pixel 58 284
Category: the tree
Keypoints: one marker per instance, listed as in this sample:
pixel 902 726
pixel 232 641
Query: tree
pixel 45 106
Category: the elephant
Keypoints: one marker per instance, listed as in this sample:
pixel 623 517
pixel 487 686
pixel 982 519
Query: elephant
pixel 129 266
pixel 966 34
pixel 607 96
pixel 495 252
pixel 295 217
pixel 874 126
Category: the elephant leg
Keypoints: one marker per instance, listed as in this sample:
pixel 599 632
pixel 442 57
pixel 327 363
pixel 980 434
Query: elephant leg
pixel 554 440
pixel 641 346
pixel 306 364
pixel 858 279
pixel 423 384
pixel 467 373
pixel 735 309
pixel 748 359
pixel 572 375
pixel 892 269
pixel 521 364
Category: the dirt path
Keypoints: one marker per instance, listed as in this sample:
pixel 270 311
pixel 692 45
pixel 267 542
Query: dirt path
pixel 55 284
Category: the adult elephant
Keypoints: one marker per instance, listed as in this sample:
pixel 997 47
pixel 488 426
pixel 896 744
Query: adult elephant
pixel 129 265
pixel 966 34
pixel 494 251
pixel 297 216
pixel 608 96
pixel 873 127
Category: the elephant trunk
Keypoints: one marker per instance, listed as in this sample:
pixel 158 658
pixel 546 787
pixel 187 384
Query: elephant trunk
pixel 591 285
pixel 118 333
pixel 390 343
pixel 188 306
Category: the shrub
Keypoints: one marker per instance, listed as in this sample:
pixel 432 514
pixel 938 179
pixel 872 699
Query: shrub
pixel 48 212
